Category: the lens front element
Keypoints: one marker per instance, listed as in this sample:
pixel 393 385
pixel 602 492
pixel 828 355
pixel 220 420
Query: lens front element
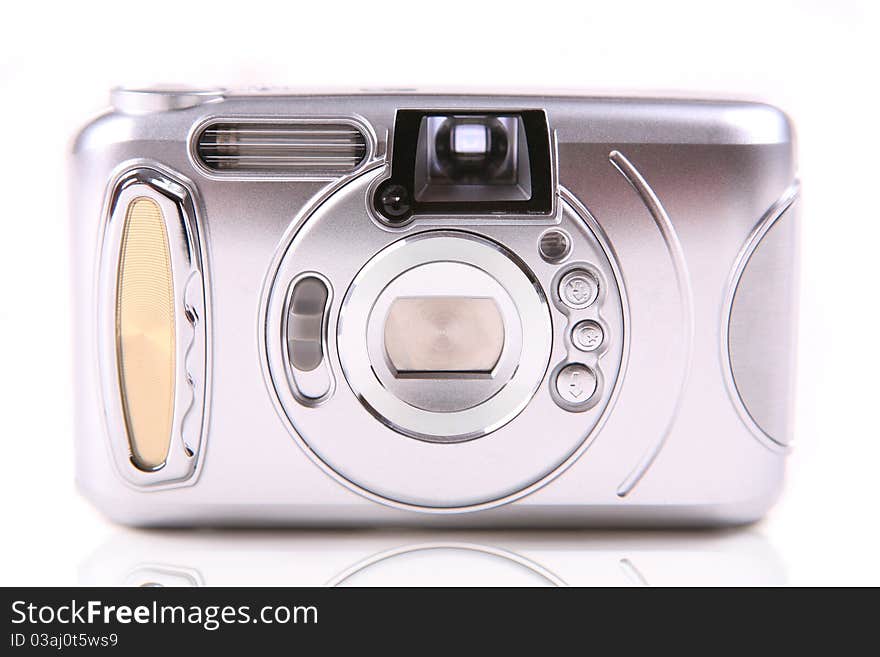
pixel 436 336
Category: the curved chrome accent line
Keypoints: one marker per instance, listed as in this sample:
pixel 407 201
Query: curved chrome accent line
pixel 632 573
pixel 134 100
pixel 682 276
pixel 513 557
pixel 149 573
pixel 191 359
pixel 765 223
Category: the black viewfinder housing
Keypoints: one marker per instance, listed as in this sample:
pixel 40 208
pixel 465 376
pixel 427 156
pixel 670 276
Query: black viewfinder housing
pixel 520 184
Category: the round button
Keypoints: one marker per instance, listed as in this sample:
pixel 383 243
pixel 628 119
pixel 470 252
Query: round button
pixel 578 289
pixel 576 383
pixel 587 335
pixel 554 245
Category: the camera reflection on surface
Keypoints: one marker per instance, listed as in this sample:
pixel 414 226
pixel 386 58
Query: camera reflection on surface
pixel 392 558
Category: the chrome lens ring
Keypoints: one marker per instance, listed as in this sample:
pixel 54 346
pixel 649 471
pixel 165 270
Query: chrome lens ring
pixel 445 392
pixel 527 365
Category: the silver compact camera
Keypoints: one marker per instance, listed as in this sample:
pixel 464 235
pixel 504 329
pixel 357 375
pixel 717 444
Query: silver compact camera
pixel 405 308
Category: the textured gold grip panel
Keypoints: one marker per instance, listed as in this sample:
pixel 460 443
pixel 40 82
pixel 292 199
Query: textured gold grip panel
pixel 145 333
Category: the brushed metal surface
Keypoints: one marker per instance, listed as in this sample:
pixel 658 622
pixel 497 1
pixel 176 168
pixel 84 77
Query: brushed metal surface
pixel 716 168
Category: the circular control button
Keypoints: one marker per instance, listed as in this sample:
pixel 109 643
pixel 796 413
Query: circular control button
pixel 587 335
pixel 554 245
pixel 576 384
pixel 578 289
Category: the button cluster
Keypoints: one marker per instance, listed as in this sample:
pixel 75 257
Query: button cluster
pixel 576 383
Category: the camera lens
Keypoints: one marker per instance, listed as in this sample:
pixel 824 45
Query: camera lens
pixel 432 336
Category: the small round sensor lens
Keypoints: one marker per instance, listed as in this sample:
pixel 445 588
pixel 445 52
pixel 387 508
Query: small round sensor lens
pixel 554 245
pixel 394 203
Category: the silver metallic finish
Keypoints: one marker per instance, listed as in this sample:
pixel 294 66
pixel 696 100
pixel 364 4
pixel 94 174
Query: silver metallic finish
pixel 431 558
pixel 147 101
pixel 676 253
pixel 587 335
pixel 150 575
pixel 716 166
pixel 428 475
pixel 578 289
pixel 759 373
pixel 524 571
pixel 575 384
pixel 189 424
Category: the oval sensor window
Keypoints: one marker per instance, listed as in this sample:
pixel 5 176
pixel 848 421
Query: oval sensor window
pixel 444 336
pixel 145 333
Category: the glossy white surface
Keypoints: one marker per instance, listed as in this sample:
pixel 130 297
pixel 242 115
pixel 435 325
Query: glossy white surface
pixel 824 530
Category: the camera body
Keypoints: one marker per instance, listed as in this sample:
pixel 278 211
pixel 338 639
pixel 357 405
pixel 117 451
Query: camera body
pixel 405 308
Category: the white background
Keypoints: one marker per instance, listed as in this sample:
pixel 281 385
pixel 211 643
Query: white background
pixel 817 60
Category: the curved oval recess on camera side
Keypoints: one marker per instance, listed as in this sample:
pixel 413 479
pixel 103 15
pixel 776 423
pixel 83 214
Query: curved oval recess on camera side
pixel 758 324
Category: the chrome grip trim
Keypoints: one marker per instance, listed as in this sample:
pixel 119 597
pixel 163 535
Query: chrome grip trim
pixel 191 328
